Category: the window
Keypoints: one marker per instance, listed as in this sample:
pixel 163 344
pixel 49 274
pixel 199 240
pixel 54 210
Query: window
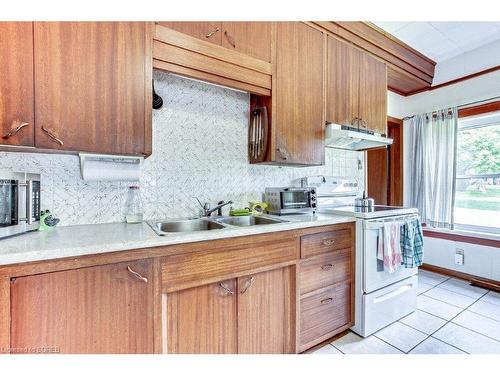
pixel 477 189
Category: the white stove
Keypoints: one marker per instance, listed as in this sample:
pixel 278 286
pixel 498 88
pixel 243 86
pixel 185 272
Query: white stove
pixel 381 298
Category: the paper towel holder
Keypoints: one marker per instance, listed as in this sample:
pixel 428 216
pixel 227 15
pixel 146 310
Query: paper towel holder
pixel 129 161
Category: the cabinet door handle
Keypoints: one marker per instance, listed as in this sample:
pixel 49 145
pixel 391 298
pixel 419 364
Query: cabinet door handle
pixel 355 122
pixel 328 242
pixel 230 39
pixel 327 267
pixel 14 129
pixel 283 153
pixel 137 274
pixel 248 284
pixel 363 123
pixel 326 301
pixel 212 32
pixel 52 136
pixel 225 288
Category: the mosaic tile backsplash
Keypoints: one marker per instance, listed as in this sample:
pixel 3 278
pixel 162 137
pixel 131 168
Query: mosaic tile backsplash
pixel 199 150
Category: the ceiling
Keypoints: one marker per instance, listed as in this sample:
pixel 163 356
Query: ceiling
pixel 441 41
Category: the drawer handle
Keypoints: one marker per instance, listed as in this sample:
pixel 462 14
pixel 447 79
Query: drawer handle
pixel 14 129
pixel 225 288
pixel 327 267
pixel 137 274
pixel 328 242
pixel 248 284
pixel 326 301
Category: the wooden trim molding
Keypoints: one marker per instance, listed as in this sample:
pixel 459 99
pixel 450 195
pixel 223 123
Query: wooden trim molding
pixel 392 121
pixel 479 109
pixel 479 281
pixel 462 238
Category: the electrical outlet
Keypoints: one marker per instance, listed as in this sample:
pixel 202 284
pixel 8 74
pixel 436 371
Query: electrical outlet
pixel 459 257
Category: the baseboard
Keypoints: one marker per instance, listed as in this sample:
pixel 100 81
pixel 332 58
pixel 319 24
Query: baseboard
pixel 475 280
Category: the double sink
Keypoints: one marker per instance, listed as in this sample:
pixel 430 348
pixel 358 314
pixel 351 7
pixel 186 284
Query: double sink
pixel 207 223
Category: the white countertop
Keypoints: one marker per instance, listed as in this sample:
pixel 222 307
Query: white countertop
pixel 78 240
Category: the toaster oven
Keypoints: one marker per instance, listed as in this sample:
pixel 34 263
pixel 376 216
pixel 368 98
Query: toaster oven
pixel 291 200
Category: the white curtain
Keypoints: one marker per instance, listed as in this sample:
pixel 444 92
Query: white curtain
pixel 432 144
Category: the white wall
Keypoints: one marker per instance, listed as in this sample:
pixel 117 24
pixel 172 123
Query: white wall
pixel 483 261
pixel 479 260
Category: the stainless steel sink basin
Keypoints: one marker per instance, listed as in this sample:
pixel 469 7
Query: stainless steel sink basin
pixel 188 225
pixel 246 221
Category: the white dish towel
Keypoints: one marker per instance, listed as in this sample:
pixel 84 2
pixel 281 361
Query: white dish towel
pixel 389 247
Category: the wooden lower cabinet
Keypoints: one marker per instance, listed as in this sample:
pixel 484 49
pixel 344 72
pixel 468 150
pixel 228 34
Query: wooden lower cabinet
pixel 203 319
pixel 101 309
pixel 251 314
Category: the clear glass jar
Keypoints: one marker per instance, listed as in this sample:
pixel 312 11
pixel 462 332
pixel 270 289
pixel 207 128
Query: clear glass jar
pixel 133 206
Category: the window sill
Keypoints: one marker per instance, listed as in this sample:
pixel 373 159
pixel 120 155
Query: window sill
pixel 485 239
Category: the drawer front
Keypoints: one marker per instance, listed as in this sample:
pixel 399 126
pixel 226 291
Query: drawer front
pixel 326 269
pixel 209 264
pixel 324 242
pixel 325 312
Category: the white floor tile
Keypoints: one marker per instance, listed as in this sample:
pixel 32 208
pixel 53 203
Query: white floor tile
pixel 467 340
pixel 423 321
pixel 431 277
pixel 487 309
pixel 492 297
pixel 437 308
pixel 327 349
pixel 401 336
pixel 434 346
pixel 463 287
pixel 450 297
pixel 423 287
pixel 354 344
pixel 479 323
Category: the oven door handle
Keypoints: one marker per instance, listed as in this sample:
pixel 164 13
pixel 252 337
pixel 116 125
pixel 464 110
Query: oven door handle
pixel 393 293
pixel 29 201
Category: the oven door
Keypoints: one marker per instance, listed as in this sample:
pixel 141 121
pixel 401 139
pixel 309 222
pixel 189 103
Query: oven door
pixel 374 275
pixel 295 199
pixel 12 203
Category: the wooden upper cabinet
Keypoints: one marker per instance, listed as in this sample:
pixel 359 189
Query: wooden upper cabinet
pixel 16 84
pixel 298 95
pixel 342 95
pixel 373 94
pixel 204 30
pixel 251 38
pixel 203 320
pixel 93 86
pixel 101 309
pixel 264 312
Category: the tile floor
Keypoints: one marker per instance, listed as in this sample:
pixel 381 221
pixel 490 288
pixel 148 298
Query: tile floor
pixel 453 317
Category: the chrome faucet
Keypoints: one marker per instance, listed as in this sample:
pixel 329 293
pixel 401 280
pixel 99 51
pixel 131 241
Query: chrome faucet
pixel 207 211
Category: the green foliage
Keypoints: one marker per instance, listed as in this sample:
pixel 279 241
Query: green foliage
pixel 478 150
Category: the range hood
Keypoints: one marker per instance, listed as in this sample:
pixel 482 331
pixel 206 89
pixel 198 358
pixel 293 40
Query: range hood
pixel 345 138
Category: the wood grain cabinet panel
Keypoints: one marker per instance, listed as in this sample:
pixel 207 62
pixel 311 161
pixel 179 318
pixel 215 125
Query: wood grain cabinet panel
pixel 209 31
pixel 250 38
pixel 263 312
pixel 203 320
pixel 342 95
pixel 101 309
pixel 16 84
pixel 324 242
pixel 373 94
pixel 298 96
pixel 93 86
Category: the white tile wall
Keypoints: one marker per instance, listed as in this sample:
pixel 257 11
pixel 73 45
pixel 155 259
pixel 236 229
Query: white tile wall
pixel 199 149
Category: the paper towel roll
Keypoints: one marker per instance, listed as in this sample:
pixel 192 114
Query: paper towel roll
pixel 110 167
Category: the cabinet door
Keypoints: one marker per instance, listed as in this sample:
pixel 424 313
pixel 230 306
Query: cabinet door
pixel 342 95
pixel 298 118
pixel 251 38
pixel 203 320
pixel 264 312
pixel 373 94
pixel 102 309
pixel 16 84
pixel 93 86
pixel 208 31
